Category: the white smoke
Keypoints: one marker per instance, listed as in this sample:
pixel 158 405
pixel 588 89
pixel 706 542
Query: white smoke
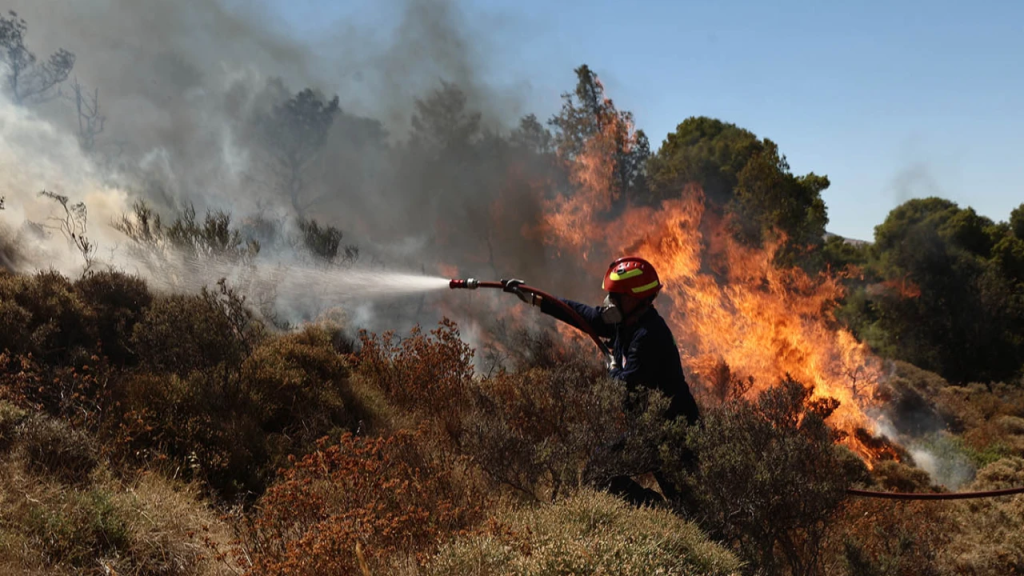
pixel 35 156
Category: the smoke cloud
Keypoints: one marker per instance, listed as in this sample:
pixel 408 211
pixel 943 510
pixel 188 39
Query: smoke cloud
pixel 415 169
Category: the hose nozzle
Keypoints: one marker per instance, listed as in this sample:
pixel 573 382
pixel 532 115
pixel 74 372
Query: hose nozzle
pixel 467 284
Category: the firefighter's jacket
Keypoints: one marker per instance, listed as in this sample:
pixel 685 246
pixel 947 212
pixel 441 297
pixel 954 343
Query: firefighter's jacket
pixel 645 352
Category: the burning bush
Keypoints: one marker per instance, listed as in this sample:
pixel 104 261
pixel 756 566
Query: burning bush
pixel 770 477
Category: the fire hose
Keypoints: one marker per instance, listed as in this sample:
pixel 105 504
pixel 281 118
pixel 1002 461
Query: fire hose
pixel 935 496
pixel 584 326
pixel 578 321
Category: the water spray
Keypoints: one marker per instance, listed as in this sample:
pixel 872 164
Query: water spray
pixel 578 321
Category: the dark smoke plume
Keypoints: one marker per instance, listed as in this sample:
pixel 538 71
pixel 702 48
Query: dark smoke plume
pixel 425 167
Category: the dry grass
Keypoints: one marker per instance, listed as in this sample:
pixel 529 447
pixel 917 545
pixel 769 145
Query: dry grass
pixel 105 526
pixel 587 533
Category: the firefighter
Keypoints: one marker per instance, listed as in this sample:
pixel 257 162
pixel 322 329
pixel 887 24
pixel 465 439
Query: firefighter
pixel 643 350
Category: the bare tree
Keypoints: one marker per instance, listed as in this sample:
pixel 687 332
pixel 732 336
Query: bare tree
pixel 30 80
pixel 73 225
pixel 90 120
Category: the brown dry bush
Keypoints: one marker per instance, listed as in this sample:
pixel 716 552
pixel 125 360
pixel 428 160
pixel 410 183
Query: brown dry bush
pixel 991 538
pixel 427 374
pixel 381 493
pixel 586 533
pixel 53 448
pixel 234 432
pixel 892 476
pixel 11 418
pixel 892 538
pixel 986 417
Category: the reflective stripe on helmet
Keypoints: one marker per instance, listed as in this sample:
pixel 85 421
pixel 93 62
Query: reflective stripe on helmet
pixel 645 287
pixel 615 276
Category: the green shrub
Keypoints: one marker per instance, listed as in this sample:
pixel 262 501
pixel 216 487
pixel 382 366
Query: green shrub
pixel 587 533
pixel 770 477
pixel 47 317
pixel 298 384
pixel 118 302
pixel 542 430
pixel 53 448
pixel 182 334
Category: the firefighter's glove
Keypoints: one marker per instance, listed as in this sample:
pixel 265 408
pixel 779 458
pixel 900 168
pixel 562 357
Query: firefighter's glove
pixel 513 287
pixel 613 364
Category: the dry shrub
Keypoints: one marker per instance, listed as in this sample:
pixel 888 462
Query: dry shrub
pixel 892 538
pixel 892 476
pixel 201 427
pixel 985 416
pixel 991 540
pixel 425 373
pixel 770 478
pixel 11 417
pixel 53 448
pixel 381 493
pixel 233 432
pixel 909 399
pixel 587 533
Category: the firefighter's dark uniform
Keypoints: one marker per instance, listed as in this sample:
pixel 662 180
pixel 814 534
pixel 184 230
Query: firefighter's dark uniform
pixel 645 352
pixel 646 355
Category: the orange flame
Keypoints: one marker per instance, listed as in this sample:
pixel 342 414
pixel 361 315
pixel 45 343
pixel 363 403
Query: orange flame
pixel 726 303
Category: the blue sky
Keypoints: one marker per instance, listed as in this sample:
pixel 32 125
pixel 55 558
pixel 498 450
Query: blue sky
pixel 891 100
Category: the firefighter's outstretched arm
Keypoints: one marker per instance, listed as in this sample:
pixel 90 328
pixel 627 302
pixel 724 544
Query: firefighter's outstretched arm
pixel 589 314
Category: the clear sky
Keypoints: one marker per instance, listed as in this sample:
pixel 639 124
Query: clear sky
pixel 891 100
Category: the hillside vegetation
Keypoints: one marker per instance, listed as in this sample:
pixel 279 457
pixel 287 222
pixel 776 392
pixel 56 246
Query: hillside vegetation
pixel 281 453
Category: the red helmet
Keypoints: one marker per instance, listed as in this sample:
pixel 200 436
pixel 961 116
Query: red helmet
pixel 633 276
